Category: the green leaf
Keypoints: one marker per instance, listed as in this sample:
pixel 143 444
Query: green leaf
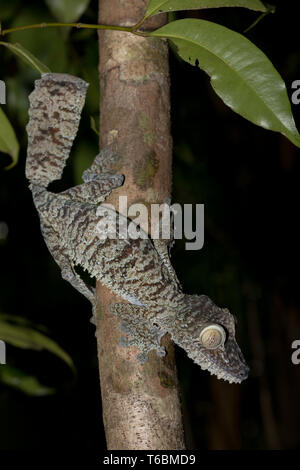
pixel 8 140
pixel 240 73
pixel 24 382
pixel 93 125
pixel 159 6
pixel 67 11
pixel 26 56
pixel 17 320
pixel 21 336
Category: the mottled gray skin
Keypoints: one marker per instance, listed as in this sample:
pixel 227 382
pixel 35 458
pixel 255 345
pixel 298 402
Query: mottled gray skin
pixel 139 270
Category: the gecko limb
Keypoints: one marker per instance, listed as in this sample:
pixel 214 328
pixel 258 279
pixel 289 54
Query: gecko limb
pixel 96 190
pixel 68 273
pixel 141 333
pixel 163 245
pixel 107 161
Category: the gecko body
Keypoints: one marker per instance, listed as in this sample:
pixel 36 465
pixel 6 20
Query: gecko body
pixel 137 270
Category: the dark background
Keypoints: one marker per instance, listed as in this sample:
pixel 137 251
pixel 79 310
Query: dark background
pixel 247 178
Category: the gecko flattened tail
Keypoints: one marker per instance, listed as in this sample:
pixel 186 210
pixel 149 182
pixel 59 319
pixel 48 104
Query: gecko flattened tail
pixel 55 109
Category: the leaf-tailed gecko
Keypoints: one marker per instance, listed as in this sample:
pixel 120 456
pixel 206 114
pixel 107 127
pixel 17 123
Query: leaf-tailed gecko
pixel 138 270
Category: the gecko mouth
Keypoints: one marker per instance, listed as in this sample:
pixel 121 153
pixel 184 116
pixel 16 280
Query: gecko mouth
pixel 226 363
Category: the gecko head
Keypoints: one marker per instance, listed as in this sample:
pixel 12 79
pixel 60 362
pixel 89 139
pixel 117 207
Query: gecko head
pixel 207 333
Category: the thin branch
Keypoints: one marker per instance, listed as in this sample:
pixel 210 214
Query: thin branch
pixel 127 29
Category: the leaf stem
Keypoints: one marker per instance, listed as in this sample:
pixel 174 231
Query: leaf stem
pixel 127 29
pixel 138 25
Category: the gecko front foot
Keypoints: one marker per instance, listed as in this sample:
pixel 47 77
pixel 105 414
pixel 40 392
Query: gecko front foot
pixel 141 333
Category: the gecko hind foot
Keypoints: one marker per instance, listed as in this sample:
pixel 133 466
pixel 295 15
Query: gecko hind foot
pixel 163 245
pixel 107 161
pixel 114 181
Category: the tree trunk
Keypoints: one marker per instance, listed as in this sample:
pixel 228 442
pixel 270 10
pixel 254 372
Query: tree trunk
pixel 141 408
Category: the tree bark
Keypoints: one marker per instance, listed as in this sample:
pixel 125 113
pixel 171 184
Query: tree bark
pixel 141 407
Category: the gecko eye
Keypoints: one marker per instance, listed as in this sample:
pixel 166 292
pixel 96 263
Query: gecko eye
pixel 212 336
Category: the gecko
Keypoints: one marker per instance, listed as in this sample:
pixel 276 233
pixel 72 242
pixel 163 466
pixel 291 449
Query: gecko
pixel 137 270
